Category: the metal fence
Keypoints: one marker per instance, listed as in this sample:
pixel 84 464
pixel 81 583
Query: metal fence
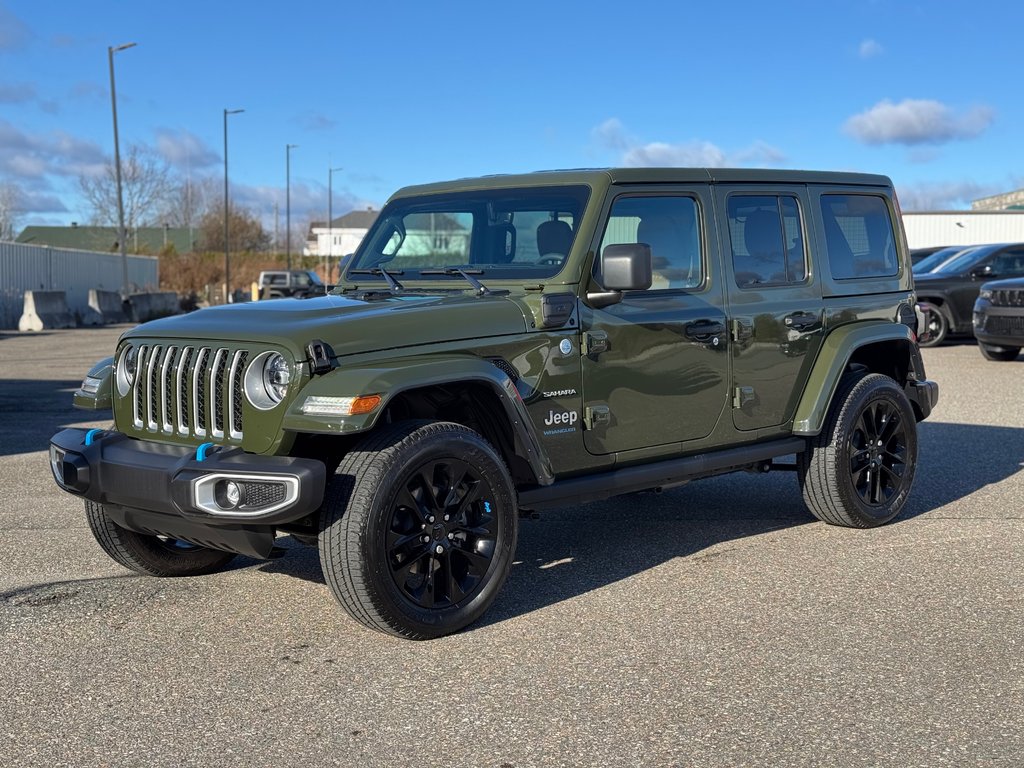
pixel 41 268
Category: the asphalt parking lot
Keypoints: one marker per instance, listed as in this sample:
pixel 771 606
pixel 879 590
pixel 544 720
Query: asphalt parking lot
pixel 713 625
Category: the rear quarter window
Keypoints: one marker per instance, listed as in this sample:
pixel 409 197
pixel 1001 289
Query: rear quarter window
pixel 859 236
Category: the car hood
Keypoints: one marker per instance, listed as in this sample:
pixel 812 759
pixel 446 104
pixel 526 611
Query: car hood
pixel 349 325
pixel 1009 283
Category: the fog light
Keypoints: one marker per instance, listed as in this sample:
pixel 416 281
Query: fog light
pixel 228 494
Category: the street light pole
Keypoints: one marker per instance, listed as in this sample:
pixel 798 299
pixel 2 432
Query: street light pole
pixel 122 235
pixel 227 251
pixel 330 221
pixel 288 201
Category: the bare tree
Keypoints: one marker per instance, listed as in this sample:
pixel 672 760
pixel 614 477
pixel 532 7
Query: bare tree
pixel 9 213
pixel 145 180
pixel 244 228
pixel 188 200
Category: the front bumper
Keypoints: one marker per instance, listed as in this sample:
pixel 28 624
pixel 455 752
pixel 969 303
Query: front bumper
pixel 179 492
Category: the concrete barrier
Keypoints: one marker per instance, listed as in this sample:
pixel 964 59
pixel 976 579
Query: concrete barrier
pixel 109 306
pixel 150 306
pixel 45 310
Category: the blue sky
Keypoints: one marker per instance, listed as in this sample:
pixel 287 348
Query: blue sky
pixel 405 92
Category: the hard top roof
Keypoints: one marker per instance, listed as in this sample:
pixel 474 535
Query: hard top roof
pixel 604 176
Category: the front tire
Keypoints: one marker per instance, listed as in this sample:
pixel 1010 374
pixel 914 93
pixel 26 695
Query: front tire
pixel 936 326
pixel 859 470
pixel 419 529
pixel 1000 354
pixel 152 555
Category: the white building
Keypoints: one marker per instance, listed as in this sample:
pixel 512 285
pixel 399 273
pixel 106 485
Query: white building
pixel 342 237
pixel 974 227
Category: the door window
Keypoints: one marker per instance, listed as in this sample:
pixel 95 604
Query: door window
pixel 669 226
pixel 767 240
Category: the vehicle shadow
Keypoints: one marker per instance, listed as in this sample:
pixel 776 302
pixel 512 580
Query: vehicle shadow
pixel 32 410
pixel 575 550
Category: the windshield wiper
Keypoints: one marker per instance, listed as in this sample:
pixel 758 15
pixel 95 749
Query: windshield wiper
pixel 393 284
pixel 466 274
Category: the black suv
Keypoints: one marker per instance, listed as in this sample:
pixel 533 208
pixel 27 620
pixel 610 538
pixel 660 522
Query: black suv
pixel 999 319
pixel 947 295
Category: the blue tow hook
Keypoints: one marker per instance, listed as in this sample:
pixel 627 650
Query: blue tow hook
pixel 202 450
pixel 91 435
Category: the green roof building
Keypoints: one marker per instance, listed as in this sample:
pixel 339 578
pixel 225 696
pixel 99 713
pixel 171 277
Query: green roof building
pixel 149 240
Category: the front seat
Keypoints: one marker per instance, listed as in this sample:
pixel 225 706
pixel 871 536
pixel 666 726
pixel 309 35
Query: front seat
pixel 554 238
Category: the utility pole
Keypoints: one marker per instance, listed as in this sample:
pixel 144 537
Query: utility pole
pixel 122 235
pixel 288 201
pixel 330 221
pixel 227 251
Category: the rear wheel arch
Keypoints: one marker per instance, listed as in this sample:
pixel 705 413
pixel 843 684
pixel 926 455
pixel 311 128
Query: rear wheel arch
pixel 885 348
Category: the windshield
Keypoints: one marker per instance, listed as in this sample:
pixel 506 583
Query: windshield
pixel 964 261
pixel 502 233
pixel 934 260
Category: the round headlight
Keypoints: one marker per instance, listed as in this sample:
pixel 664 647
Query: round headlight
pixel 127 367
pixel 266 380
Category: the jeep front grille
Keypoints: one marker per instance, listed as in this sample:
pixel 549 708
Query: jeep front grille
pixel 189 391
pixel 1008 297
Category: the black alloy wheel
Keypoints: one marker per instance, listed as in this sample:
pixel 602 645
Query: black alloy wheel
pixel 878 453
pixel 442 535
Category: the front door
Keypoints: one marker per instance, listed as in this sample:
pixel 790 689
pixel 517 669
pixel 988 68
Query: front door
pixel 775 301
pixel 655 365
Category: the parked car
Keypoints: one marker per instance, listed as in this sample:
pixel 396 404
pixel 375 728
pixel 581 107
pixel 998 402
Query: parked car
pixel 510 344
pixel 999 319
pixel 297 283
pixel 934 261
pixel 947 295
pixel 917 254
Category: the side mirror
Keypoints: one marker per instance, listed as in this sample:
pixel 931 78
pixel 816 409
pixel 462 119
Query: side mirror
pixel 625 267
pixel 983 270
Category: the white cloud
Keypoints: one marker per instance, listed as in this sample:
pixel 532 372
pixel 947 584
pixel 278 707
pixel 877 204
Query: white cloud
pixel 30 157
pixel 869 48
pixel 696 153
pixel 183 149
pixel 917 121
pixel 943 195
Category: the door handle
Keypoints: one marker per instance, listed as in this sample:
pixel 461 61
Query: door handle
pixel 801 321
pixel 704 330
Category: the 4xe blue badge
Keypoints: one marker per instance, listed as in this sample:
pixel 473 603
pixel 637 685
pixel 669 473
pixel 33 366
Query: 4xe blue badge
pixel 565 346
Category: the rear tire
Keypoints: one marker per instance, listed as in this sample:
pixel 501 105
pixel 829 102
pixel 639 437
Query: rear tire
pixel 152 555
pixel 419 529
pixel 859 470
pixel 999 354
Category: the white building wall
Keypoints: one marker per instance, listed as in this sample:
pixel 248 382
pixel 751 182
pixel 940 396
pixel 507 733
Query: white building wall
pixel 345 241
pixel 963 228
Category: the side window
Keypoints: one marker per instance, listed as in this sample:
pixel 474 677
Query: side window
pixel 1009 263
pixel 858 236
pixel 278 279
pixel 669 225
pixel 767 240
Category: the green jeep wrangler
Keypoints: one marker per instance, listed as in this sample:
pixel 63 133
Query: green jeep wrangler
pixel 507 344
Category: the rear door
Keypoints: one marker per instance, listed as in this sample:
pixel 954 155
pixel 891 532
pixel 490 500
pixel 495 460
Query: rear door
pixel 655 365
pixel 775 300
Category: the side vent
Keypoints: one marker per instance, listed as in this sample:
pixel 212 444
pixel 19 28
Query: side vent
pixel 505 367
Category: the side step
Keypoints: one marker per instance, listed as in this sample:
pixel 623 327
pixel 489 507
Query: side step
pixel 579 490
